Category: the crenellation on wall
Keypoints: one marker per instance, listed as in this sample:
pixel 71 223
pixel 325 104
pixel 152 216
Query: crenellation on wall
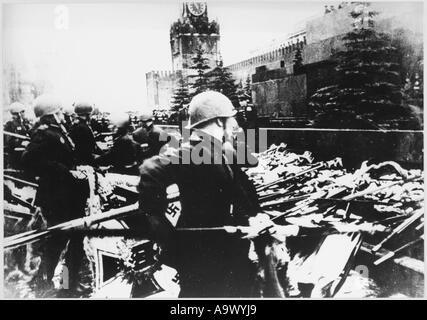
pixel 161 74
pixel 272 59
pixel 322 36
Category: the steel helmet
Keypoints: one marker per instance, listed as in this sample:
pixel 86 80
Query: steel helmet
pixel 83 108
pixel 46 104
pixel 120 119
pixel 16 107
pixel 146 116
pixel 209 105
pixel 68 110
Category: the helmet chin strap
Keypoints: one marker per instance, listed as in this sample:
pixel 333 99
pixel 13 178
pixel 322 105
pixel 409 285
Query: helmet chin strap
pixel 226 137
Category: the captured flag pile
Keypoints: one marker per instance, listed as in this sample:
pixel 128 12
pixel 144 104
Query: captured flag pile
pixel 335 211
pixel 295 189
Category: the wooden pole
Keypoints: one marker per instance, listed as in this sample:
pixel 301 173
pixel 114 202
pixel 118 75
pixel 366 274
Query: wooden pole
pixel 15 135
pixel 76 224
pixel 35 185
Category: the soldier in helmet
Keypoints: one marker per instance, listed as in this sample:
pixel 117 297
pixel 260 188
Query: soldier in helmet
pixel 123 155
pixel 213 193
pixel 14 145
pixel 61 196
pixel 82 134
pixel 151 138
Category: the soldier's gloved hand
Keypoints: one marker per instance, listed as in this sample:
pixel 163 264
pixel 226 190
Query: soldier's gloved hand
pixel 262 222
pixel 257 224
pixel 280 233
pixel 260 219
pixel 25 143
pixel 78 174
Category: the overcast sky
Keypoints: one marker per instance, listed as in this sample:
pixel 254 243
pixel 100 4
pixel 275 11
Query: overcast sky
pixel 106 49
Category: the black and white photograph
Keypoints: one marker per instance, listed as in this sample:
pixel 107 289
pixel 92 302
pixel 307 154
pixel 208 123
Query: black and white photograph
pixel 213 150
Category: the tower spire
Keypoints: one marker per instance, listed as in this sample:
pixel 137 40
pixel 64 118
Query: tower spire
pixel 193 31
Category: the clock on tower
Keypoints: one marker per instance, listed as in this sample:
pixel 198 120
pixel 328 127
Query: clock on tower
pixel 191 32
pixel 196 8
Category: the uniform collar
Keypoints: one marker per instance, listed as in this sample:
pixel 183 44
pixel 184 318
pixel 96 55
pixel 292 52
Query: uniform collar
pixel 61 130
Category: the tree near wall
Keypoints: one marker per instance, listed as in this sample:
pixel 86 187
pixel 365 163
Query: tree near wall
pixel 179 102
pixel 200 64
pixel 248 89
pixel 221 80
pixel 240 90
pixel 368 89
pixel 244 92
pixel 181 95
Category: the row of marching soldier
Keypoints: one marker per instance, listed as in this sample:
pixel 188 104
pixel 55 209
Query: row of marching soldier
pixel 49 150
pixel 132 142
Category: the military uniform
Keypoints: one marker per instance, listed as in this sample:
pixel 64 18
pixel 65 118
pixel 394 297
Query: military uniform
pixel 123 155
pixel 96 125
pixel 50 156
pixel 84 140
pixel 68 122
pixel 12 144
pixel 154 138
pixel 210 263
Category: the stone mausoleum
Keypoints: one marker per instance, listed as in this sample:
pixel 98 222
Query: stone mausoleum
pixel 278 88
